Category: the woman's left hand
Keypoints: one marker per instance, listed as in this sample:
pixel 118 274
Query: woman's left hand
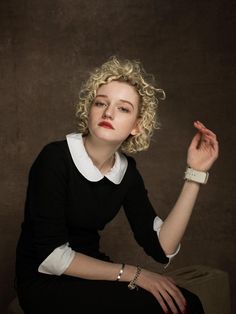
pixel 203 150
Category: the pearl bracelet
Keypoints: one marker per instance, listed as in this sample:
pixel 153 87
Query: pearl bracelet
pixel 120 272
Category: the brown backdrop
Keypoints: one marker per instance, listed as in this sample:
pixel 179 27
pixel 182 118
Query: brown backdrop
pixel 47 48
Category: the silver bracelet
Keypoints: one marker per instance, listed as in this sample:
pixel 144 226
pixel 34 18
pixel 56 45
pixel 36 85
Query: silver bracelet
pixel 132 285
pixel 120 272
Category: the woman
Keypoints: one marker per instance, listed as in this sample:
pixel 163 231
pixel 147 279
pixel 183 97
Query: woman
pixel 77 185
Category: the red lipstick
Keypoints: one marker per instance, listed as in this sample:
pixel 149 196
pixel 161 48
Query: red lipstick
pixel 106 125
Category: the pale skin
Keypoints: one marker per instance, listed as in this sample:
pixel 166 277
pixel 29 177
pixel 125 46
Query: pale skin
pixel 117 103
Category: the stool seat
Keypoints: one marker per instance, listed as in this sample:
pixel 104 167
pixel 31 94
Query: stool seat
pixel 209 284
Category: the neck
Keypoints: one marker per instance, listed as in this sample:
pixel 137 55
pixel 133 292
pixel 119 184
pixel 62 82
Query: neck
pixel 102 154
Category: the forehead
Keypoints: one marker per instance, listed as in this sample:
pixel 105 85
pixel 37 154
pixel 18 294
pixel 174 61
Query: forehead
pixel 118 90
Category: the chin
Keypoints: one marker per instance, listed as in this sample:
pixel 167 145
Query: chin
pixel 108 136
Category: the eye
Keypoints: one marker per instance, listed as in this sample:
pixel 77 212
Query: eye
pixel 99 103
pixel 124 109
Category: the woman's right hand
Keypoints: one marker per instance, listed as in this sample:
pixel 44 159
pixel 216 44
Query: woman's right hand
pixel 163 289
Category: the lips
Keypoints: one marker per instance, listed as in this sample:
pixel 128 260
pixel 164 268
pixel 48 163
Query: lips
pixel 106 125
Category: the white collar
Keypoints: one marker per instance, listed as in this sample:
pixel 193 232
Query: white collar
pixel 85 165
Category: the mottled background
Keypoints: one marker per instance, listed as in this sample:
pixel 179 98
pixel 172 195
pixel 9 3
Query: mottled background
pixel 47 49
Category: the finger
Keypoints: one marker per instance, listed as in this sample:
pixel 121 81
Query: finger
pixel 161 302
pixel 204 140
pixel 215 146
pixel 195 141
pixel 176 294
pixel 179 298
pixel 209 133
pixel 200 124
pixel 169 301
pixel 212 141
pixel 209 138
pixel 201 127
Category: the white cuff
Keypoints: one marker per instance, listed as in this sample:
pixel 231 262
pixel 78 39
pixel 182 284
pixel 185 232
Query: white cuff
pixel 58 261
pixel 157 227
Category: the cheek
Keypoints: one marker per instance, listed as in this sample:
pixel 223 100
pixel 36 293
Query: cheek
pixel 92 114
pixel 90 119
pixel 128 126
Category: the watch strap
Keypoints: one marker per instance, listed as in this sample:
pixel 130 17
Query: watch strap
pixel 196 175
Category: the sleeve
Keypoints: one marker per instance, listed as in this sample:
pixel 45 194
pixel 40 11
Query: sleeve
pixel 141 214
pixel 46 202
pixel 58 261
pixel 157 227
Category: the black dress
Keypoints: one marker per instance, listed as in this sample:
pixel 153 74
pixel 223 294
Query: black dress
pixel 63 206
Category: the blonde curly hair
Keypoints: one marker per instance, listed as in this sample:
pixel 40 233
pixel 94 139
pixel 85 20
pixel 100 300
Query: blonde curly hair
pixel 131 72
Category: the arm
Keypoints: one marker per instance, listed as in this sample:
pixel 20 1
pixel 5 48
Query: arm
pixel 202 153
pixel 161 287
pixel 84 266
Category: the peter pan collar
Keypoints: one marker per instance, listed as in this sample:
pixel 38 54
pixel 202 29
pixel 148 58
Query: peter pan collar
pixel 85 165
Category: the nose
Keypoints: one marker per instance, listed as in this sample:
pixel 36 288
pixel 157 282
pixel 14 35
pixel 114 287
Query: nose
pixel 108 112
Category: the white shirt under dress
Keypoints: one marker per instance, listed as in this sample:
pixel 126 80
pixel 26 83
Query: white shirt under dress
pixel 59 260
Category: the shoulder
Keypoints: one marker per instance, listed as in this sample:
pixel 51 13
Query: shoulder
pixel 131 162
pixel 52 155
pixel 53 149
pixel 132 171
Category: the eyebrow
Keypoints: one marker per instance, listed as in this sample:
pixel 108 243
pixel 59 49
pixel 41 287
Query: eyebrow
pixel 123 100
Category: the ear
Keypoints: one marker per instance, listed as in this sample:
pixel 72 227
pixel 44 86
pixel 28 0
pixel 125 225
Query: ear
pixel 136 128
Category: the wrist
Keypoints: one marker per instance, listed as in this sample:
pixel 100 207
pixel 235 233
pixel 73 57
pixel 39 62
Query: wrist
pixel 133 283
pixel 120 272
pixel 128 273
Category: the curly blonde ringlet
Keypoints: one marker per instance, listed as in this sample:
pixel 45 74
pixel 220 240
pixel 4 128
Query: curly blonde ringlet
pixel 131 72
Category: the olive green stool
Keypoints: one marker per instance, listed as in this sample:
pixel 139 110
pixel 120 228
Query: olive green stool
pixel 209 284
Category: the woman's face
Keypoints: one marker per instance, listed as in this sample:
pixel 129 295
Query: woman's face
pixel 113 114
